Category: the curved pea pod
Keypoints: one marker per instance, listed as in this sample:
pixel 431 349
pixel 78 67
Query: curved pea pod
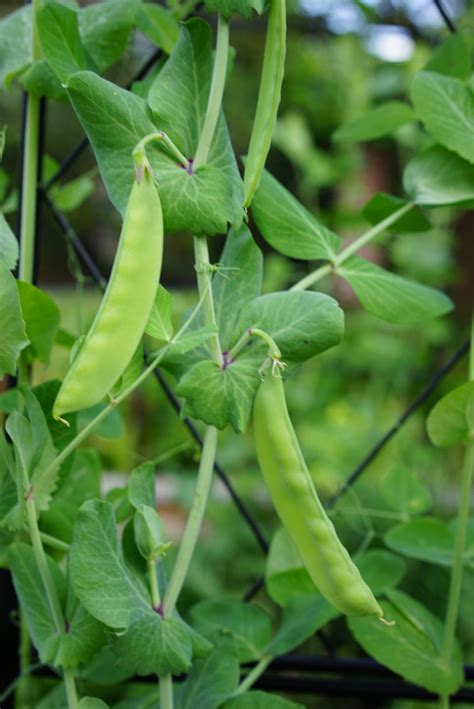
pixel 299 508
pixel 268 98
pixel 126 305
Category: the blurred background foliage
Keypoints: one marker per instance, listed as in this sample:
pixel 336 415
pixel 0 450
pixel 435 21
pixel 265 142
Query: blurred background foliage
pixel 343 58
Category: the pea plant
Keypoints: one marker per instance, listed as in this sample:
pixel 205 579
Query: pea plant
pixel 99 603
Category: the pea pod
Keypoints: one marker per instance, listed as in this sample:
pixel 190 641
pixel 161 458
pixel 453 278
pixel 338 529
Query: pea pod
pixel 268 98
pixel 126 305
pixel 299 508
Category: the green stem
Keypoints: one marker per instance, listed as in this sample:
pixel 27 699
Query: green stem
pixel 70 685
pixel 139 155
pixel 252 676
pixel 29 189
pixel 54 542
pixel 215 94
pixel 352 248
pixel 22 688
pixel 43 568
pixel 166 692
pixel 193 525
pixel 204 280
pixel 153 581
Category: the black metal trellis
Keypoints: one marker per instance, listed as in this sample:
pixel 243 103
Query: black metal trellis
pixel 368 679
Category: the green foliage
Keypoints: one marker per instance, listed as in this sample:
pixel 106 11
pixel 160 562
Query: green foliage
pixel 14 340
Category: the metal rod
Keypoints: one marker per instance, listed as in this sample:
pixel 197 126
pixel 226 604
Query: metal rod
pixel 447 19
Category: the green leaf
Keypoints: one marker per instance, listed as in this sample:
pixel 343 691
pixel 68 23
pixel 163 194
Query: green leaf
pixel 428 539
pixel 40 80
pixel 92 703
pixel 301 618
pixel 74 193
pixel 141 486
pixel 403 491
pixel 61 435
pixel 43 476
pixel 446 107
pixel 111 427
pixel 159 323
pixel 286 578
pixel 220 395
pixel 12 325
pixel 81 483
pixel 191 339
pixel 451 420
pixel 238 280
pixel 149 532
pixel 159 25
pixel 15 44
pixel 451 58
pixel 438 176
pixel 154 646
pixel 376 123
pixel 260 700
pixel 41 316
pixel 210 681
pixel 382 205
pixel 82 639
pixel 391 297
pixel 228 7
pixel 249 625
pixel 61 43
pixel 8 245
pixel 302 323
pixel 407 647
pixel 288 226
pixel 381 569
pixel 100 578
pixel 105 29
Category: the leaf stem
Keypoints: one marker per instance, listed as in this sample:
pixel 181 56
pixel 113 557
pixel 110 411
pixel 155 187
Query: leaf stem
pixel 253 675
pixel 193 525
pixel 54 542
pixel 70 686
pixel 139 154
pixel 204 280
pixel 216 93
pixel 153 581
pixel 166 692
pixel 351 249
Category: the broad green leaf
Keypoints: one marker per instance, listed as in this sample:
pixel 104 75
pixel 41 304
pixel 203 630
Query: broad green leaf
pixel 451 58
pixel 260 700
pixel 131 373
pixel 376 123
pixel 19 430
pixel 219 395
pixel 301 618
pixel 192 339
pixel 197 203
pixel 446 107
pixel 61 43
pixel 403 491
pixel 12 326
pixel 100 578
pixel 111 427
pixel 74 193
pixel 43 476
pixel 288 226
pixel 381 569
pixel 286 579
pixel 382 205
pixel 159 323
pixel 150 536
pixel 178 99
pixel 81 483
pixel 228 7
pixel 210 681
pixel 249 625
pixel 105 29
pixel 451 420
pixel 92 703
pixel 407 647
pixel 437 176
pixel 103 669
pixel 34 603
pixel 8 245
pixel 428 539
pixel 61 435
pixel 154 646
pixel 302 323
pixel 83 638
pixel 159 25
pixel 40 80
pixel 15 44
pixel 41 316
pixel 391 297
pixel 237 281
pixel 141 486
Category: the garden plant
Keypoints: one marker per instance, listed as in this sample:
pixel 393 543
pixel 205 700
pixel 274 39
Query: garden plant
pixel 99 600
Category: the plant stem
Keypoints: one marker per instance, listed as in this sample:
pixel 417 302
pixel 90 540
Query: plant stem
pixel 252 676
pixel 29 189
pixel 204 280
pixel 193 525
pixel 351 249
pixel 153 581
pixel 70 686
pixel 22 687
pixel 166 692
pixel 215 94
pixel 42 564
pixel 54 542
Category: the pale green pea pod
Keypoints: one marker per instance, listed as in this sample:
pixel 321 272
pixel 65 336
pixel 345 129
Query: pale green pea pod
pixel 268 98
pixel 299 508
pixel 126 305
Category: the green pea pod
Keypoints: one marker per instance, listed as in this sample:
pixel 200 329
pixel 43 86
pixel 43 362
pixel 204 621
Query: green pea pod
pixel 123 313
pixel 268 98
pixel 299 508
